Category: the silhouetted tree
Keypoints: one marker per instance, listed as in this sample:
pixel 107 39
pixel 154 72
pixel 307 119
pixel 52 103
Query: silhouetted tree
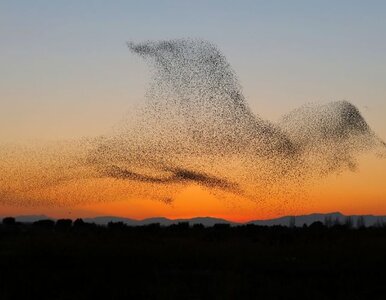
pixel 317 225
pixel 181 226
pixel 361 222
pixel 198 226
pixel 194 259
pixel 44 224
pixel 221 226
pixel 79 223
pixel 9 221
pixel 116 225
pixel 348 222
pixel 154 225
pixel 63 225
pixel 151 228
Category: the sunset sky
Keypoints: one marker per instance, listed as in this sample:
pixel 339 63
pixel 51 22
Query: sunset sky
pixel 66 73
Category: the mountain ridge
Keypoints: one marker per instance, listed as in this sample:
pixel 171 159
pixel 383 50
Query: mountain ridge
pixel 297 220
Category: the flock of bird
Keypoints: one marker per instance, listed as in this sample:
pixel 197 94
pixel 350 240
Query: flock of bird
pixel 195 127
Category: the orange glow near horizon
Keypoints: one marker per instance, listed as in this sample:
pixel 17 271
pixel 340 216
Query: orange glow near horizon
pixel 361 192
pixel 116 119
pixel 39 189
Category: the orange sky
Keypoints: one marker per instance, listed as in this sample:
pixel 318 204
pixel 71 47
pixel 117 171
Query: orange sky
pixel 360 192
pixel 67 73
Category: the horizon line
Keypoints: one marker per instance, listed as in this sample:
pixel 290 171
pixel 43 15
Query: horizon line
pixel 187 218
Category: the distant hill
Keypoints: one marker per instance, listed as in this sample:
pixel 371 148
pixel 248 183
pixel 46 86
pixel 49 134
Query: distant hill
pixel 209 221
pixel 206 221
pixel 31 218
pixel 300 220
pixel 103 220
pixel 311 218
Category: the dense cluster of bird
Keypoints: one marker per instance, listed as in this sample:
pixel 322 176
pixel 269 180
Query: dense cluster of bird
pixel 195 127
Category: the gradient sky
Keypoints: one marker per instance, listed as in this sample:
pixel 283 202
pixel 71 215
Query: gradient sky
pixel 66 71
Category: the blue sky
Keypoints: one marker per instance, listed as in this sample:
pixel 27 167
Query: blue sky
pixel 66 72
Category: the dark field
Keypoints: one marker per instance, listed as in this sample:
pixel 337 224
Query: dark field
pixel 45 260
